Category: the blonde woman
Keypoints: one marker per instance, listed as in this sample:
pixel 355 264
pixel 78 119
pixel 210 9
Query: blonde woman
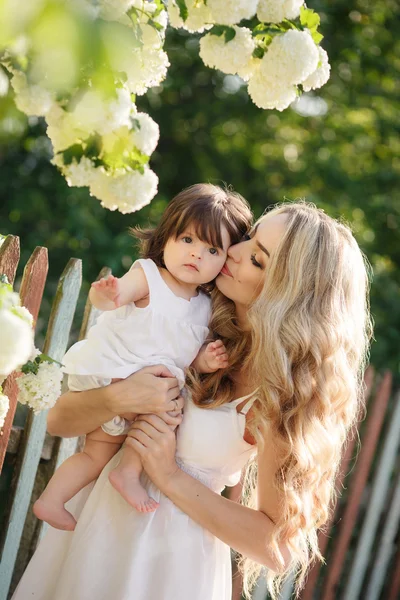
pixel 292 311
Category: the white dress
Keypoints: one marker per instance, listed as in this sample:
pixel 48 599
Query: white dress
pixel 169 331
pixel 117 553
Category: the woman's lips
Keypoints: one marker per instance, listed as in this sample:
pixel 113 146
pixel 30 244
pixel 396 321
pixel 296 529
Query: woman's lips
pixel 226 271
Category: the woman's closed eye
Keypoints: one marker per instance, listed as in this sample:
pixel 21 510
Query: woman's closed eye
pixel 245 237
pixel 255 261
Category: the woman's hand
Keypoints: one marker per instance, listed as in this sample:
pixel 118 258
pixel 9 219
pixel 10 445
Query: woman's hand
pixel 155 442
pixel 150 390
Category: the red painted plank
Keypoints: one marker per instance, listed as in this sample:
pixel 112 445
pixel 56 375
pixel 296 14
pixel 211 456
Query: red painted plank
pixel 31 292
pixel 323 536
pixel 359 479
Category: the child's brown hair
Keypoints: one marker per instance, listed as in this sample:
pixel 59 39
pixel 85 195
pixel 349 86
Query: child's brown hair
pixel 205 205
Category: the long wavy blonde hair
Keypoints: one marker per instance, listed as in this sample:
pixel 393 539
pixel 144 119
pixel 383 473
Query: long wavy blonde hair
pixel 306 349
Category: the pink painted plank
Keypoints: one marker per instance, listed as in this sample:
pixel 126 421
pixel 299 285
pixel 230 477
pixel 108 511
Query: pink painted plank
pixel 359 479
pixel 323 536
pixel 9 257
pixel 31 292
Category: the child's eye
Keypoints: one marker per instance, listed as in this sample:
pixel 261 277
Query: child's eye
pixel 213 251
pixel 187 239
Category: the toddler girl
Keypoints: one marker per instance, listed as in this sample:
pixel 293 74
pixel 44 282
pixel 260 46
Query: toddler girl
pixel 157 313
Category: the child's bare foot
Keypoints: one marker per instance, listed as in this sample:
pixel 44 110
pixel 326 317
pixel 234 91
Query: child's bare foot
pixel 56 516
pixel 132 490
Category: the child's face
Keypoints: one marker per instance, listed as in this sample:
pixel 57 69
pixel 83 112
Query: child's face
pixel 193 261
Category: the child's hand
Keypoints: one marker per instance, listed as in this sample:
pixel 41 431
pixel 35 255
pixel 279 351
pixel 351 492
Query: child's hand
pixel 215 356
pixel 108 289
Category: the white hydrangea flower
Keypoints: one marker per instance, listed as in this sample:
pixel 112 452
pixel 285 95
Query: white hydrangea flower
pixel 321 75
pixel 4 406
pixel 199 16
pixel 145 133
pixel 33 100
pixel 42 390
pixel 114 9
pixel 270 93
pixel 92 113
pixel 290 58
pixel 126 191
pixel 23 313
pixel 61 130
pixel 78 174
pixel 233 57
pixel 275 11
pixel 8 298
pixel 4 83
pixel 16 342
pixel 145 67
pixel 230 12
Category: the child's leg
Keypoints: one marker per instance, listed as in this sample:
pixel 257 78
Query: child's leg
pixel 125 479
pixel 73 475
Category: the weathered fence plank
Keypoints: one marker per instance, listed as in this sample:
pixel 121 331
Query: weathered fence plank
pixel 357 484
pixel 394 592
pixel 9 257
pixel 380 488
pixel 31 293
pixel 68 446
pixel 323 536
pixel 55 344
pixel 385 547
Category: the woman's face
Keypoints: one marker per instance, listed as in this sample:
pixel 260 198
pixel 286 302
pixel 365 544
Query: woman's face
pixel 243 274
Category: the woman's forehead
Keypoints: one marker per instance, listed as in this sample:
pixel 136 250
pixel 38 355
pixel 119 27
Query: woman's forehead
pixel 270 229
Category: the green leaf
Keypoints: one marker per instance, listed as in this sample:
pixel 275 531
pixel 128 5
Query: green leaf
pixel 183 11
pixel 316 36
pixel 258 52
pixel 224 30
pixel 30 367
pixel 309 18
pixel 261 31
pixel 74 152
pixel 155 25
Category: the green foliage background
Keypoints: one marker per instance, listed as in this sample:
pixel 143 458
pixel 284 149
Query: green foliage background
pixel 346 159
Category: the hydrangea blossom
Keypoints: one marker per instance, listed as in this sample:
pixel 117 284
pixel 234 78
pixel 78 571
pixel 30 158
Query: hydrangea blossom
pixel 275 11
pixel 199 16
pixel 230 12
pixel 4 406
pixel 16 341
pixel 291 58
pixel 33 100
pixel 77 173
pixel 321 75
pixel 145 67
pixel 126 191
pixel 145 133
pixel 233 57
pixel 40 390
pixel 269 93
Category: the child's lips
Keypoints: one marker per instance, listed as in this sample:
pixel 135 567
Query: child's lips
pixel 191 266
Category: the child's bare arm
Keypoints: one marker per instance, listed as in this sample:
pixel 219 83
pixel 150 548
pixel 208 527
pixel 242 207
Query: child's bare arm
pixel 110 293
pixel 211 357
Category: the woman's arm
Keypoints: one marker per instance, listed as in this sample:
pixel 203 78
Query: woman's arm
pixel 150 390
pixel 245 530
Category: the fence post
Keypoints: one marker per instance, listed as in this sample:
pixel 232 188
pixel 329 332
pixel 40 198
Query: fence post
pixel 55 344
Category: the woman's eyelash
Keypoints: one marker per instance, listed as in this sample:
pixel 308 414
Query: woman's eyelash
pixel 246 237
pixel 255 261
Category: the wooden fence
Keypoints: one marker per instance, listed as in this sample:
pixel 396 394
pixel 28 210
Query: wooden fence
pixel 361 543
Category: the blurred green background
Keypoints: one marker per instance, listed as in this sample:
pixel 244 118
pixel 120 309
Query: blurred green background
pixel 339 148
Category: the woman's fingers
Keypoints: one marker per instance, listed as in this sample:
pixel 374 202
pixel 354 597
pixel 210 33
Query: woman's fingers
pixel 150 424
pixel 176 404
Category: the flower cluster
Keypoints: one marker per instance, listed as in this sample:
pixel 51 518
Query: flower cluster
pixel 40 385
pixel 99 139
pixel 279 58
pixel 84 82
pixel 16 337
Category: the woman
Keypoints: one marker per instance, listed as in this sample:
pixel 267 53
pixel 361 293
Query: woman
pixel 296 326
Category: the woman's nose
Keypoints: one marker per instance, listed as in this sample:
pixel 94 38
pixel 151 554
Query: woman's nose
pixel 234 252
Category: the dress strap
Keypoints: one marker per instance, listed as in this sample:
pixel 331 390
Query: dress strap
pixel 245 409
pixel 153 276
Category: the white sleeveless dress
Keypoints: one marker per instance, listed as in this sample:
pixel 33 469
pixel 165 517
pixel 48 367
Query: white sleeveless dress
pixel 169 331
pixel 117 553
